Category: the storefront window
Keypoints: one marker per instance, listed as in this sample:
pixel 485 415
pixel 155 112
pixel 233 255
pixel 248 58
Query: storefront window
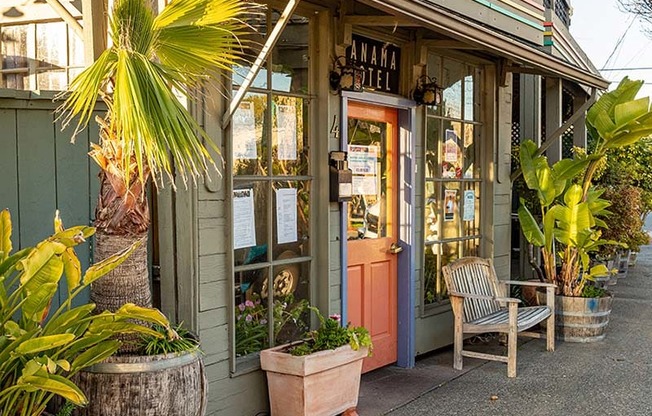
pixel 45 56
pixel 272 197
pixel 453 180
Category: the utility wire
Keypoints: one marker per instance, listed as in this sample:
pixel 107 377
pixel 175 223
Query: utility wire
pixel 642 68
pixel 619 42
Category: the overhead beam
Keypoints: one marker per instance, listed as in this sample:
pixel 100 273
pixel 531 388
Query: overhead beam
pixel 447 44
pixel 67 17
pixel 260 59
pixel 555 135
pixel 94 13
pixel 383 20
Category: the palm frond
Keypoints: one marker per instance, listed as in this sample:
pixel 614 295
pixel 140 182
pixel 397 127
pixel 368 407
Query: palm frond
pixel 190 42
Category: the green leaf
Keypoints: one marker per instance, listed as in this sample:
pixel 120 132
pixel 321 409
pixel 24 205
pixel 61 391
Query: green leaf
pixel 95 354
pixel 55 384
pixel 628 137
pixel 129 310
pixel 103 267
pixel 38 301
pixel 72 269
pixel 13 260
pixel 630 110
pixel 599 270
pixel 530 226
pixel 567 169
pixel 5 234
pixel 44 343
pixel 86 341
pixel 73 236
pixel 68 319
pixel 604 125
pixel 42 265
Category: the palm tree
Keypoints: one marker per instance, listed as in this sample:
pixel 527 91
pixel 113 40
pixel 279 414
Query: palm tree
pixel 147 132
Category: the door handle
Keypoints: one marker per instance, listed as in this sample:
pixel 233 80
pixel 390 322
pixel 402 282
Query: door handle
pixel 395 248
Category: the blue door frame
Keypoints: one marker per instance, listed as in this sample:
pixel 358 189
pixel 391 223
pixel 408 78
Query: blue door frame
pixel 406 207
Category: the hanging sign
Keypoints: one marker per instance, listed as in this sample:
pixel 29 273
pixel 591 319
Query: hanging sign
pixel 380 61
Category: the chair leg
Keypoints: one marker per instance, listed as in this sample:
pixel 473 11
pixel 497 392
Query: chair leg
pixel 457 304
pixel 512 338
pixel 550 329
pixel 458 343
pixel 550 333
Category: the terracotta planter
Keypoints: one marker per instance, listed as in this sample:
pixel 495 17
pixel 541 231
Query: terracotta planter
pixel 580 319
pixel 325 383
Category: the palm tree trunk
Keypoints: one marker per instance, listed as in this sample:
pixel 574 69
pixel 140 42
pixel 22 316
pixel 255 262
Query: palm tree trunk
pixel 121 218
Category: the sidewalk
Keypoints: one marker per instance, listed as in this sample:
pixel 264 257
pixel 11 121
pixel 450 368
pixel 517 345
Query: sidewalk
pixel 611 377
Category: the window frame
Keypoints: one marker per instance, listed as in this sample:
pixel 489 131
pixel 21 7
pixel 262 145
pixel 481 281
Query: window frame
pixel 438 182
pixel 248 363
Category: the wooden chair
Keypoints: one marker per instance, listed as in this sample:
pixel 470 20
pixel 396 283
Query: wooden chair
pixel 478 300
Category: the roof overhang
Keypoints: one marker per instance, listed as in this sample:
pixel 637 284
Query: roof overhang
pixel 532 59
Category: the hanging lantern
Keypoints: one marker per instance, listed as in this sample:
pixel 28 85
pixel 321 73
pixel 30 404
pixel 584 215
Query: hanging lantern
pixel 427 92
pixel 346 77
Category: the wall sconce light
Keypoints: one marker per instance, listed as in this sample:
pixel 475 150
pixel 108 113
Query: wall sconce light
pixel 427 92
pixel 347 76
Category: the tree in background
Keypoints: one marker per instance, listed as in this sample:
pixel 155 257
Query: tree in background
pixel 640 8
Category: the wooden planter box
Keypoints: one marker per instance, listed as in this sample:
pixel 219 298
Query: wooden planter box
pixel 325 383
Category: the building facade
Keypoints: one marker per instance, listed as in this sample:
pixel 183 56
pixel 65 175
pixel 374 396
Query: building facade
pixel 417 96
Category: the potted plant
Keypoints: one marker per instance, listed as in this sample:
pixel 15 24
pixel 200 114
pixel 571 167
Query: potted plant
pixel 39 358
pixel 148 134
pixel 571 208
pixel 319 375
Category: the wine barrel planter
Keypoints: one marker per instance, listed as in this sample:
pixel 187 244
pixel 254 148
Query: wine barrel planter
pixel 623 263
pixel 632 258
pixel 580 319
pixel 158 385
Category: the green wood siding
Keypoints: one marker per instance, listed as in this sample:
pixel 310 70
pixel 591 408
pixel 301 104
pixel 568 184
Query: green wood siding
pixel 42 171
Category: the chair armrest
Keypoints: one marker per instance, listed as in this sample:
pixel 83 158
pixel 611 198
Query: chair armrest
pixel 484 297
pixel 526 283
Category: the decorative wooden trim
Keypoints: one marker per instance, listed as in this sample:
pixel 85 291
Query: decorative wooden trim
pixel 384 20
pixel 67 17
pixel 511 14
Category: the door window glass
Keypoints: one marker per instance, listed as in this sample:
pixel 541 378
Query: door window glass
pixel 368 209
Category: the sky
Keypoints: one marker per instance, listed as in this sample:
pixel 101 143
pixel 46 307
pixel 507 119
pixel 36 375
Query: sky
pixel 599 28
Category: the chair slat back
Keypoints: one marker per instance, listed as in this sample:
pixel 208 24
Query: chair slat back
pixel 476 276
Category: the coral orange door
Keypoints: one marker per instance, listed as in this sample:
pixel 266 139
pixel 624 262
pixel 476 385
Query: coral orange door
pixel 372 227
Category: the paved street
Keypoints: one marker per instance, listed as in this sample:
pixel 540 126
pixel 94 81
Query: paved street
pixel 612 377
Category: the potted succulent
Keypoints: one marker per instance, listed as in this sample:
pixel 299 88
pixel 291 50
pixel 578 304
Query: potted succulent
pixel 40 357
pixel 148 136
pixel 319 375
pixel 571 209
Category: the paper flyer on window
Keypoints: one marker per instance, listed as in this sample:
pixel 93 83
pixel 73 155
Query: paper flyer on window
pixel 362 159
pixel 286 132
pixel 244 219
pixel 364 185
pixel 450 197
pixel 469 205
pixel 286 215
pixel 244 132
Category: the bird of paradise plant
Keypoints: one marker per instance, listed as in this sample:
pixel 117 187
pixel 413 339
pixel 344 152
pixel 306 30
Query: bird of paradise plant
pixel 571 211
